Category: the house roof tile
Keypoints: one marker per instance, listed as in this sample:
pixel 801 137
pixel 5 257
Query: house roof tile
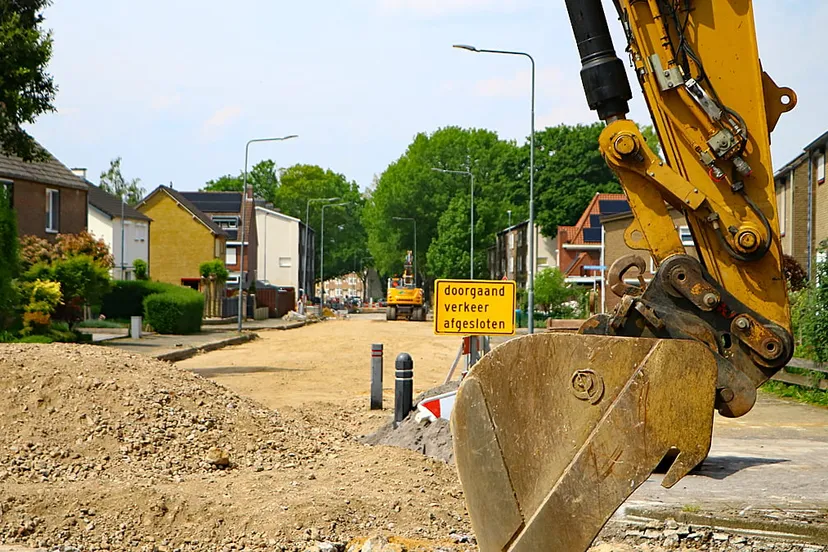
pixel 188 205
pixel 50 171
pixel 111 204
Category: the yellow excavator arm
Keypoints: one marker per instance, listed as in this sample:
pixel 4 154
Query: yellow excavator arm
pixel 552 433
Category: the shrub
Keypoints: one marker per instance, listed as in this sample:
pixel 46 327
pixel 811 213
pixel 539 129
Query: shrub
pixel 41 298
pixel 795 275
pixel 141 269
pixel 34 250
pixel 82 281
pixel 8 258
pixel 810 315
pixel 214 268
pixel 126 298
pixel 45 339
pixel 83 243
pixel 176 311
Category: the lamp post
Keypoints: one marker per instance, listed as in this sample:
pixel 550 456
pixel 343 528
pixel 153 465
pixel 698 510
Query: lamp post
pixel 322 255
pixel 243 211
pixel 471 241
pixel 307 234
pixel 415 243
pixel 532 260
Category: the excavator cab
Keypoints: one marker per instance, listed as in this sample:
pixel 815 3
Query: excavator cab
pixel 552 433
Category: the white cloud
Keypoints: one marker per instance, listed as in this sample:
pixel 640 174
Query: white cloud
pixel 219 119
pixel 435 8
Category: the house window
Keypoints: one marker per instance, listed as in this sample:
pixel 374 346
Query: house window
pixel 231 257
pixel 511 240
pixel 140 232
pixel 227 223
pixel 52 210
pixel 686 236
pixel 285 262
pixel 543 262
pixel 511 265
pixel 820 163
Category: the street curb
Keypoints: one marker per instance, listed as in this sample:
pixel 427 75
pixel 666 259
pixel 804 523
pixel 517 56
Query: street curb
pixel 182 354
pixel 808 533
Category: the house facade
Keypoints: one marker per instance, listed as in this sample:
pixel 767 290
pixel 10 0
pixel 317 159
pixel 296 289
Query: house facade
pixel 285 258
pixel 344 287
pixel 124 229
pixel 509 257
pixel 225 210
pixel 182 237
pixel 580 250
pixel 614 247
pixel 48 197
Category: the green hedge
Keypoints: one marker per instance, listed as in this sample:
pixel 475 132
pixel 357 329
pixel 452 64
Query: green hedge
pixel 127 297
pixel 175 311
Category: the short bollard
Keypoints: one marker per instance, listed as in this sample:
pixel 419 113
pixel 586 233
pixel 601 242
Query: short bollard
pixel 376 376
pixel 404 392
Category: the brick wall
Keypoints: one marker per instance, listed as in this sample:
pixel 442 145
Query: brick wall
pixel 30 204
pixel 178 242
pixel 615 247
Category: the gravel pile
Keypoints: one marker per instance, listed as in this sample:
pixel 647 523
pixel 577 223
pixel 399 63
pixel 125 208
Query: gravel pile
pixel 92 413
pixel 432 439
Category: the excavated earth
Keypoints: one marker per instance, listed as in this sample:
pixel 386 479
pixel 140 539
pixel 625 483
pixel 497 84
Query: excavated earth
pixel 106 450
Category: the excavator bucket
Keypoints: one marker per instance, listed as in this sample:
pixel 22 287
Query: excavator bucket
pixel 553 432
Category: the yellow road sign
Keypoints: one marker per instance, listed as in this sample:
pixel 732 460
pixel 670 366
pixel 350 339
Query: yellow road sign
pixel 474 307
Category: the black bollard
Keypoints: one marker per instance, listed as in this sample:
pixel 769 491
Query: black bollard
pixel 376 376
pixel 404 391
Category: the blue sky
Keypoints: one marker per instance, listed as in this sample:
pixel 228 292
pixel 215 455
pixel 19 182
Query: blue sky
pixel 176 87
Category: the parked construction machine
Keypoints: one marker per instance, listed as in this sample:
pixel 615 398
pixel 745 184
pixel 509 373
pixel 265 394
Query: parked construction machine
pixel 552 433
pixel 404 298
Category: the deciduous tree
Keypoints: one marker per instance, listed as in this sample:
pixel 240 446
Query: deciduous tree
pixel 26 88
pixel 113 181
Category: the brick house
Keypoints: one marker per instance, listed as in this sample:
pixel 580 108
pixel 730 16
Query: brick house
pixel 182 237
pixel 225 210
pixel 509 256
pixel 615 247
pixel 48 197
pixel 579 246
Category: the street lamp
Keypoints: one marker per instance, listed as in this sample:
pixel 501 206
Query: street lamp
pixel 244 209
pixel 415 243
pixel 322 255
pixel 307 225
pixel 471 242
pixel 532 260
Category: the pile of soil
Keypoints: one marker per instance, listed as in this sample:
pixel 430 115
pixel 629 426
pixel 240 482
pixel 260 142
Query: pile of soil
pixel 432 439
pixel 106 450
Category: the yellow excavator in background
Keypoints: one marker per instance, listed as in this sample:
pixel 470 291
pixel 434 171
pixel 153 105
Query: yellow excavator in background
pixel 552 433
pixel 404 297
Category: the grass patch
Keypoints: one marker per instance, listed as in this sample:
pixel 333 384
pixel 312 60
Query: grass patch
pixel 812 396
pixel 102 324
pixel 691 508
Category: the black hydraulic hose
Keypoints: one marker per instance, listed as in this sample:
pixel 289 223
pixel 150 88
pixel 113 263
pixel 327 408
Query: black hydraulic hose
pixel 602 73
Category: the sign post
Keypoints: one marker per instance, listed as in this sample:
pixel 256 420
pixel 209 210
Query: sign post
pixel 473 308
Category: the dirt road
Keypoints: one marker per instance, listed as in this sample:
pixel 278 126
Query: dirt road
pixel 327 362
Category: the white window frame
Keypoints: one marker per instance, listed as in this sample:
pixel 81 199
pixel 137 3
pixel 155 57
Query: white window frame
pixel 686 237
pixel 140 232
pixel 235 253
pixel 51 216
pixel 511 265
pixel 285 262
pixel 820 163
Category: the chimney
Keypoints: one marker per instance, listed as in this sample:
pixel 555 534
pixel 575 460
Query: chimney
pixel 80 172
